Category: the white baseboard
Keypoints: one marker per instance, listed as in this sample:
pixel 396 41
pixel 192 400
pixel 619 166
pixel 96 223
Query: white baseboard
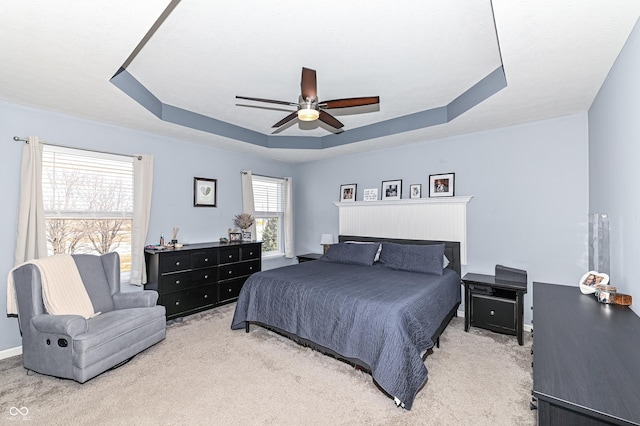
pixel 525 327
pixel 8 353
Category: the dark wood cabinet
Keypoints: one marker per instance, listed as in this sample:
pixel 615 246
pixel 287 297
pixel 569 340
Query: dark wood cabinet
pixel 200 276
pixel 494 305
pixel 586 369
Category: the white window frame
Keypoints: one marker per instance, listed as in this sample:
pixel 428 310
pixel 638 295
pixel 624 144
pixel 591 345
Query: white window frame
pixel 273 210
pixel 92 157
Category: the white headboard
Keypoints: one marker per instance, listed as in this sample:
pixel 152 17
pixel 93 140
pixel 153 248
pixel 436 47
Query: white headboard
pixel 419 219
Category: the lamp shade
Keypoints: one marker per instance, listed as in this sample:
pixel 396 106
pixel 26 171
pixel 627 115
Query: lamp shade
pixel 326 239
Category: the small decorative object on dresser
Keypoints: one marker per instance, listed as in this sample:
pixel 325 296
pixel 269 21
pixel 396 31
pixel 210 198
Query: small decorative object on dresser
pixel 204 192
pixel 244 222
pixel 442 185
pixel 348 192
pixel 392 189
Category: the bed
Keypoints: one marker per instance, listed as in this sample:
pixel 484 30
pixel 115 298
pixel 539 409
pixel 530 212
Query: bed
pixel 381 309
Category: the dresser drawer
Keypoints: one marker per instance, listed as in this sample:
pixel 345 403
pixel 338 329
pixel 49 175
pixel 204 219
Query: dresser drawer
pixel 229 255
pixel 235 270
pixel 171 262
pixel 202 259
pixel 252 252
pixel 494 313
pixel 182 280
pixel 179 303
pixel 230 289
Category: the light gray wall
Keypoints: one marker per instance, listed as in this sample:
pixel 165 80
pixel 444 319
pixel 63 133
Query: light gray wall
pixel 614 158
pixel 529 185
pixel 176 163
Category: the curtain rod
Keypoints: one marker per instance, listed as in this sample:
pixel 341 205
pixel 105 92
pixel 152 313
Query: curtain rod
pixel 18 139
pixel 270 177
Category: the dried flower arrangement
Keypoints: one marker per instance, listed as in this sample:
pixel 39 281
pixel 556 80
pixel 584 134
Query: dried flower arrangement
pixel 243 220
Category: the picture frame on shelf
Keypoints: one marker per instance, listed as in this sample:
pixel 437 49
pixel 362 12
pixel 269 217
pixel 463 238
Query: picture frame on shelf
pixel 370 194
pixel 442 185
pixel 415 190
pixel 204 192
pixel 235 237
pixel 392 189
pixel 348 193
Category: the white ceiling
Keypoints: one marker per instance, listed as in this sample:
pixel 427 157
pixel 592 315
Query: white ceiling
pixel 415 55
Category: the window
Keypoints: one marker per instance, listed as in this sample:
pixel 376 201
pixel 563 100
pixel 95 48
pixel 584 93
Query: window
pixel 88 202
pixel 268 200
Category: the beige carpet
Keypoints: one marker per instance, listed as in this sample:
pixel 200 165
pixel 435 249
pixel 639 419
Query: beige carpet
pixel 204 373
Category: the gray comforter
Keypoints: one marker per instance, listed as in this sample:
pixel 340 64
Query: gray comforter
pixel 383 317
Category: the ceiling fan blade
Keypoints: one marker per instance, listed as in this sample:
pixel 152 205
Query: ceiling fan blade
pixel 287 119
pixel 330 120
pixel 271 101
pixel 350 102
pixel 308 84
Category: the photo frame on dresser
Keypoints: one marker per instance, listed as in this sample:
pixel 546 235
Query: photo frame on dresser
pixel 392 189
pixel 442 185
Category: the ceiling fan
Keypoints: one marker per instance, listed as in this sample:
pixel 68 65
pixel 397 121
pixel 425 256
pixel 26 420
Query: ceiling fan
pixel 309 109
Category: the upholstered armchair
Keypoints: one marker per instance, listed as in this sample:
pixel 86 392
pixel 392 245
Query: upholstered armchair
pixel 72 347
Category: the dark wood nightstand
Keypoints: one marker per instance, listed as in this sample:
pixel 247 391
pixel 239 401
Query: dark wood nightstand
pixel 308 257
pixel 496 306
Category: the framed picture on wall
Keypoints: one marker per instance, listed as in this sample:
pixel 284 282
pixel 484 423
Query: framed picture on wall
pixel 415 191
pixel 392 189
pixel 204 192
pixel 442 185
pixel 348 192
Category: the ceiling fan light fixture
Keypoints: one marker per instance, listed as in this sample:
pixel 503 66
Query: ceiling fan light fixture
pixel 308 114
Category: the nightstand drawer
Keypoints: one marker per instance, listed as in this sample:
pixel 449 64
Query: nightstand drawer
pixel 493 313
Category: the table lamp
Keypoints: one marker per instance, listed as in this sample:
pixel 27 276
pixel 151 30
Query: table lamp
pixel 326 240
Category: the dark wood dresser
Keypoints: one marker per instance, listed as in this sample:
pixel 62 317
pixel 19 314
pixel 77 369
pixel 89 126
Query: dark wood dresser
pixel 200 276
pixel 586 359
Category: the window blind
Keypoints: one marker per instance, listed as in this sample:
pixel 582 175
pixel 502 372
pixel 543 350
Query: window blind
pixel 268 194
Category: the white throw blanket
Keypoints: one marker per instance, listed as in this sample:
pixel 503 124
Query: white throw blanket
pixel 63 292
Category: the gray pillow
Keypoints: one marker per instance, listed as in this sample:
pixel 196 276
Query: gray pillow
pixel 352 254
pixel 427 259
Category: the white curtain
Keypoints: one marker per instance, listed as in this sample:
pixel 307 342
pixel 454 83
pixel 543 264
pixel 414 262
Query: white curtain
pixel 31 239
pixel 288 217
pixel 248 205
pixel 142 189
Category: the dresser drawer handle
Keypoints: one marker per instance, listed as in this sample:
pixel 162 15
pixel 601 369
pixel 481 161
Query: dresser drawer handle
pixel 229 290
pixel 206 296
pixel 250 253
pixel 177 263
pixel 492 313
pixel 177 303
pixel 206 259
pixel 251 268
pixel 177 282
pixel 230 256
pixel 230 272
pixel 206 276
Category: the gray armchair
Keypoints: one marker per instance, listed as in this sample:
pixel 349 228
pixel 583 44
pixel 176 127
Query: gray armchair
pixel 73 347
